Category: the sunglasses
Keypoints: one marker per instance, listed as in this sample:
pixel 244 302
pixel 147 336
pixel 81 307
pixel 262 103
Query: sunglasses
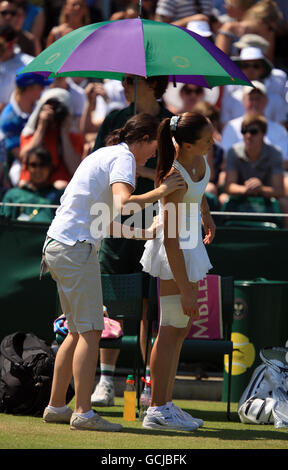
pixel 8 12
pixel 37 165
pixel 251 130
pixel 247 65
pixel 131 80
pixel 197 91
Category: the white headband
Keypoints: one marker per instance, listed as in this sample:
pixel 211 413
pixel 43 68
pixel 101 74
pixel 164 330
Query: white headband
pixel 174 122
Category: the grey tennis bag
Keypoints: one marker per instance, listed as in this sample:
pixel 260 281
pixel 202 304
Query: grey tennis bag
pixel 265 399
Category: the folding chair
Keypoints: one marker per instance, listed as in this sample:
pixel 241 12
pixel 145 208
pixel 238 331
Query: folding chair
pixel 122 295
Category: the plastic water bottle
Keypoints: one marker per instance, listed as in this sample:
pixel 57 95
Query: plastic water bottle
pixel 145 398
pixel 129 413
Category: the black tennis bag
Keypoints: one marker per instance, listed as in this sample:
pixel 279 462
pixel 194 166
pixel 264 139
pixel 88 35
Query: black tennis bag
pixel 26 372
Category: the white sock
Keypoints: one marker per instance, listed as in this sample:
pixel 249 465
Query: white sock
pixel 107 380
pixel 107 373
pixel 88 414
pixel 57 409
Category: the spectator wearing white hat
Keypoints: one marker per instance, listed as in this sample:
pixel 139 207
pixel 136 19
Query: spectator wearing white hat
pixel 200 27
pixel 252 40
pixel 276 80
pixel 254 102
pixel 257 67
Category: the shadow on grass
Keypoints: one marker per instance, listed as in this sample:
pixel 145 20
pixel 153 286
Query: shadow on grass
pixel 106 414
pixel 226 432
pixel 210 433
pixel 217 416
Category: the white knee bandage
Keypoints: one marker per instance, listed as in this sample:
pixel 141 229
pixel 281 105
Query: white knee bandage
pixel 172 312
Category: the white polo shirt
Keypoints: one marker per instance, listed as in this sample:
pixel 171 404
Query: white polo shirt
pixel 91 183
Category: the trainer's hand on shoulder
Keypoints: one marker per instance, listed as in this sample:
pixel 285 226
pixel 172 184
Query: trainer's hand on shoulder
pixel 172 182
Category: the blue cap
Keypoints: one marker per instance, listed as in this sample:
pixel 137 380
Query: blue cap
pixel 26 79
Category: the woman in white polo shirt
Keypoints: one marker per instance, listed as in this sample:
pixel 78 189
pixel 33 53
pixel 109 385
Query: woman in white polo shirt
pixel 71 255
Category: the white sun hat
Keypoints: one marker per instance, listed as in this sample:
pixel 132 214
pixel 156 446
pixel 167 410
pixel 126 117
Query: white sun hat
pixel 200 27
pixel 254 53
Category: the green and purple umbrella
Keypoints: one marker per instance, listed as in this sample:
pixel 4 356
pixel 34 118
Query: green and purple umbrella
pixel 141 47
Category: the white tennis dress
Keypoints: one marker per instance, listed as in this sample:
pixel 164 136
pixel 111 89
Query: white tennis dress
pixel 154 259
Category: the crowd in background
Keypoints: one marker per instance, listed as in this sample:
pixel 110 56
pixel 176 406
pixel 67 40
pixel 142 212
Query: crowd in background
pixel 48 126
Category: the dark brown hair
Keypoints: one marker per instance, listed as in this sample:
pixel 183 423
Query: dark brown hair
pixel 189 129
pixel 41 153
pixel 135 129
pixel 161 82
pixel 257 119
pixel 208 110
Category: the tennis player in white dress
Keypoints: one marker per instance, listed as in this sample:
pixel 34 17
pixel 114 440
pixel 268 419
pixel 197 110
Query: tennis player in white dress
pixel 178 257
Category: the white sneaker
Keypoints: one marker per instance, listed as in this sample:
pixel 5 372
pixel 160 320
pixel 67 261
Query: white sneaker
pixel 52 417
pixel 186 416
pixel 166 419
pixel 103 394
pixel 93 424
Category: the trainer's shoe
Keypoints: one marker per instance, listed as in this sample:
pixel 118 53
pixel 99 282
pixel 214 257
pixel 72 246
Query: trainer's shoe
pixel 103 394
pixel 166 419
pixel 186 416
pixel 93 424
pixel 52 417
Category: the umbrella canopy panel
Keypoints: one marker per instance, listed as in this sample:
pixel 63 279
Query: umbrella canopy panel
pixel 146 48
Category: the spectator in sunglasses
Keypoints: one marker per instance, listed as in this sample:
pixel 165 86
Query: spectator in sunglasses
pixel 255 100
pixel 275 79
pixel 34 21
pixel 11 61
pixel 184 97
pixel 190 95
pixel 256 66
pixel 255 168
pixel 14 15
pixel 38 190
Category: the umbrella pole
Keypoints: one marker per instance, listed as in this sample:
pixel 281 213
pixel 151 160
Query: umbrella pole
pixel 136 78
pixel 135 94
pixel 140 9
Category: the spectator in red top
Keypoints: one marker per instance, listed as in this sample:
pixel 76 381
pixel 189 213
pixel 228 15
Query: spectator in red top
pixel 50 126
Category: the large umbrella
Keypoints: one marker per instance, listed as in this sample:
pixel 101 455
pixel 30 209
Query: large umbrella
pixel 141 47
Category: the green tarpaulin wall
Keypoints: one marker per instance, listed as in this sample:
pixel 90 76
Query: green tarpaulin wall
pixel 28 304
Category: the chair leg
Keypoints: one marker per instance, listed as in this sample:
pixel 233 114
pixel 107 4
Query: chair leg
pixel 229 386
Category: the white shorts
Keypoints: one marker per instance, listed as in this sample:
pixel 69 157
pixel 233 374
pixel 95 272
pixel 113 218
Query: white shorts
pixel 76 271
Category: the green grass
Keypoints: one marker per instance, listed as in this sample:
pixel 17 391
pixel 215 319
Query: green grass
pixel 22 432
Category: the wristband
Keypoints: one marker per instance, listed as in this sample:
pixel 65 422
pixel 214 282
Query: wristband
pixel 226 33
